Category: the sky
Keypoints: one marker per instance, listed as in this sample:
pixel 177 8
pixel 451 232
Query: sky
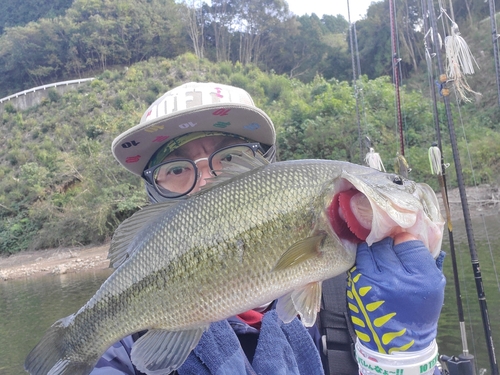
pixel 332 7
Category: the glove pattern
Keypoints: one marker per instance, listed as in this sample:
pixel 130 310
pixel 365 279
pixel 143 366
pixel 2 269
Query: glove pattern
pixel 395 295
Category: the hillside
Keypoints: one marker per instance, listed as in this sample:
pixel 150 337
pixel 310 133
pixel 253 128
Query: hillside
pixel 60 185
pixel 91 36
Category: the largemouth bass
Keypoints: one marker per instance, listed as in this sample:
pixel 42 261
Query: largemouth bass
pixel 273 232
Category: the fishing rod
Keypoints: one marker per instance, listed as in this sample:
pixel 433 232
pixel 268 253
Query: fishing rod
pixel 464 361
pixel 354 81
pixel 395 72
pixel 401 165
pixel 494 37
pixel 465 207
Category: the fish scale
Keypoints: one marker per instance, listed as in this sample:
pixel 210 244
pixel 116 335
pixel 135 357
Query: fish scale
pixel 243 242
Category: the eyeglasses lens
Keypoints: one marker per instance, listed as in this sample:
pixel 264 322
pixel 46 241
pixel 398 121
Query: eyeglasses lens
pixel 223 157
pixel 178 177
pixel 175 178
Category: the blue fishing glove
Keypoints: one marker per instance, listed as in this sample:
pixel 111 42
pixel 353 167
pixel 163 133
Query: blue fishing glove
pixel 395 295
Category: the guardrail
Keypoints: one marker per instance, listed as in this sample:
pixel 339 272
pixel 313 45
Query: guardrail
pixel 45 87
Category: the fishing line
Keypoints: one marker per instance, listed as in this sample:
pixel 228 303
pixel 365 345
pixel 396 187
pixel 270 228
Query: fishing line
pixel 469 312
pixel 354 82
pixel 395 76
pixel 465 63
pixel 477 189
pixel 404 127
pixel 438 168
pixel 363 104
pixel 467 220
pixel 494 38
pixel 459 59
pixel 460 62
pixel 372 159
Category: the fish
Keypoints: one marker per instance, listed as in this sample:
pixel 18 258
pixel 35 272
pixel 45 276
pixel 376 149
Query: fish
pixel 256 234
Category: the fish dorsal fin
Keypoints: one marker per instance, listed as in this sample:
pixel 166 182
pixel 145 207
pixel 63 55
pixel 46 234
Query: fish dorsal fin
pixel 121 247
pixel 305 302
pixel 238 165
pixel 300 251
pixel 160 351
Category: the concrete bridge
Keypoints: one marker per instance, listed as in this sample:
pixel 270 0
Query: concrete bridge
pixel 28 98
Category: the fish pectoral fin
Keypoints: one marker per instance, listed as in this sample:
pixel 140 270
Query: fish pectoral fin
pixel 161 352
pixel 300 251
pixel 121 247
pixel 286 309
pixel 305 302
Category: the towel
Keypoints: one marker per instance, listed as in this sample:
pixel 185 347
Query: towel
pixel 285 349
pixel 282 349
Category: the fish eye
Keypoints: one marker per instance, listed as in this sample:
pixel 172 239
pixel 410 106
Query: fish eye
pixel 397 180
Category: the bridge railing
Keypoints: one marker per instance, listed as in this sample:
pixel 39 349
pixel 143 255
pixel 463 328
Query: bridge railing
pixel 45 87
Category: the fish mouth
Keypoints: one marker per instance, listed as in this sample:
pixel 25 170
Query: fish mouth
pixel 359 213
pixel 351 215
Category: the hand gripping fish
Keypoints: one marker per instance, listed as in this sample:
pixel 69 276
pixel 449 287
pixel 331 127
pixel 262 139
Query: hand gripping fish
pixel 256 235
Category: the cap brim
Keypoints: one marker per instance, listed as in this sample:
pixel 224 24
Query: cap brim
pixel 134 148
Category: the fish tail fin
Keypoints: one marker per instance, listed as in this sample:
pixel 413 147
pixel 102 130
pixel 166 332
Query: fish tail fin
pixel 49 356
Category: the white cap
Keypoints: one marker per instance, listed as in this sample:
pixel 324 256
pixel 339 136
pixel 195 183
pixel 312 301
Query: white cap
pixel 192 107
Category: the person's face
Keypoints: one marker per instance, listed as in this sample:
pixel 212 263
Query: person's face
pixel 197 151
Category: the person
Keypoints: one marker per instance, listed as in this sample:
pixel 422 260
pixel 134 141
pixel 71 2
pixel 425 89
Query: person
pixel 390 300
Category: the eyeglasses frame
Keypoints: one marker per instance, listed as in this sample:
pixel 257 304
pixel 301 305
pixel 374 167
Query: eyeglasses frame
pixel 149 173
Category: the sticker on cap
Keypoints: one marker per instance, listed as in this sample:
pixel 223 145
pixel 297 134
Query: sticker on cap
pixel 133 159
pixel 154 128
pixel 222 124
pixel 161 138
pixel 221 112
pixel 253 126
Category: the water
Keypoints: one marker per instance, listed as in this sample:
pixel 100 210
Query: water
pixel 487 239
pixel 28 307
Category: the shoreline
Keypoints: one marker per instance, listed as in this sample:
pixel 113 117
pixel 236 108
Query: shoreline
pixel 57 261
pixel 483 201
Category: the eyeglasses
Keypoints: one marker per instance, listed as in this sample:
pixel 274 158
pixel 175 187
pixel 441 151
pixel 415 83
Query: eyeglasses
pixel 177 177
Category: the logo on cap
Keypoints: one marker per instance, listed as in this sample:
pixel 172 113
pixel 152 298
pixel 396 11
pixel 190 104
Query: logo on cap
pixel 222 124
pixel 219 90
pixel 130 144
pixel 188 125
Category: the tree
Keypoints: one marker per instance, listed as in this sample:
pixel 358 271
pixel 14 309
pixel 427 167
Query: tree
pixel 32 54
pixel 20 13
pixel 194 21
pixel 258 19
pixel 222 18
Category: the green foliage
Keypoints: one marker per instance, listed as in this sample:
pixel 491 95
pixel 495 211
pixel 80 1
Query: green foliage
pixel 54 95
pixel 50 41
pixel 60 185
pixel 22 12
pixel 90 36
pixel 9 108
pixel 16 234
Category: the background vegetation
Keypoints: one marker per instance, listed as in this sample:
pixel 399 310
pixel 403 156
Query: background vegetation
pixel 80 38
pixel 60 185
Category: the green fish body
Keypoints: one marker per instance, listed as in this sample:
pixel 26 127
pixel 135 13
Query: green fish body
pixel 273 232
